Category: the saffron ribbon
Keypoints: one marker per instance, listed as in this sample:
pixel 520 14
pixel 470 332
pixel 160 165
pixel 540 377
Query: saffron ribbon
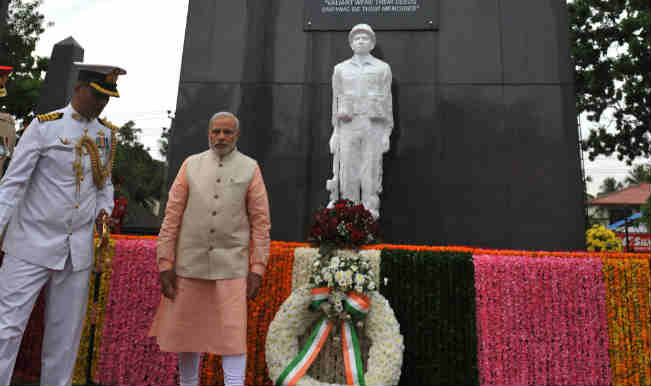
pixel 357 306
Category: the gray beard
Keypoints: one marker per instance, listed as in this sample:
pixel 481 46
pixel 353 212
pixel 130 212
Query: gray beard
pixel 212 147
pixel 216 151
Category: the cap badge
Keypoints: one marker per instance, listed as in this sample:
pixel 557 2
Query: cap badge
pixel 112 77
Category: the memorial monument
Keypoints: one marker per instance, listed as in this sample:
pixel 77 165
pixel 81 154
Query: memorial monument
pixel 484 146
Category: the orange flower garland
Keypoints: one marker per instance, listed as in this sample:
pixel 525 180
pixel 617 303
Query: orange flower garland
pixel 474 251
pixel 627 304
pixel 132 237
pixel 94 315
pixel 509 252
pixel 276 287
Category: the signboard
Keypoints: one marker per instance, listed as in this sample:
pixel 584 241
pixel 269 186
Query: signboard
pixel 639 242
pixel 342 15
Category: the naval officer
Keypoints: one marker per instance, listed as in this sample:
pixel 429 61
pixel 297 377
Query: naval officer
pixel 57 187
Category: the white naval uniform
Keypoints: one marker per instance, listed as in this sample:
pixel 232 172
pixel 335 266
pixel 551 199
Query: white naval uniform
pixel 49 240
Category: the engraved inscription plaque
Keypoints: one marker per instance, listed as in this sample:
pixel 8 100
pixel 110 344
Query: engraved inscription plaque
pixel 341 15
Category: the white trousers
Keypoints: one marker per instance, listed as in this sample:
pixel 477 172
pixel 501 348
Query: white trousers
pixel 234 369
pixel 66 295
pixel 360 168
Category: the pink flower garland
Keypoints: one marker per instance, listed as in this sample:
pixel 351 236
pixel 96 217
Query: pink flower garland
pixel 128 356
pixel 541 321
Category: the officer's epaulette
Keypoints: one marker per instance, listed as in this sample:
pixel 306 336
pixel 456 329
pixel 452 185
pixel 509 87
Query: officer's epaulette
pixel 108 124
pixel 49 117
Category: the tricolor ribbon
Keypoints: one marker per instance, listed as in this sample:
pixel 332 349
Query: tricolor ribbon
pixel 352 354
pixel 319 295
pixel 357 306
pixel 298 367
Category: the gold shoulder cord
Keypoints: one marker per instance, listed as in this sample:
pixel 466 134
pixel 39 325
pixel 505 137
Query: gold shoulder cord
pixel 100 172
pixel 102 246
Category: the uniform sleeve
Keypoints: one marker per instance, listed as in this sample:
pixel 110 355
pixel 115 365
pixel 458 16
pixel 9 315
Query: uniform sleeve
pixel 21 167
pixel 105 197
pixel 257 205
pixel 388 98
pixel 169 232
pixel 336 93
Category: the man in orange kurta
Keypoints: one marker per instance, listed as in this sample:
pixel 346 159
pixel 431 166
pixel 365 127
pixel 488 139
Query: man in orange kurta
pixel 212 251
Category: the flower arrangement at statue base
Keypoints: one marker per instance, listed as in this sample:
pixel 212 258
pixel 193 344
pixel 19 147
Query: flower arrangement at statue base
pixel 340 304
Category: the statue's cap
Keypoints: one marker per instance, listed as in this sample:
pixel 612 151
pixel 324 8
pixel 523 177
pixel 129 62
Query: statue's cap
pixel 101 77
pixel 361 28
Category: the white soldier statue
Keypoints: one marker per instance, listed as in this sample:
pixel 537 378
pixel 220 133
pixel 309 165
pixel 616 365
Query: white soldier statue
pixel 362 118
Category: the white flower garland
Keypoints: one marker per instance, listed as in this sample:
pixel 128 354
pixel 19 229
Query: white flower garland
pixel 293 319
pixel 304 259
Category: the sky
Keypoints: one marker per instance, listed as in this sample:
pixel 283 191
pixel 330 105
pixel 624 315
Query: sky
pixel 142 36
pixel 146 37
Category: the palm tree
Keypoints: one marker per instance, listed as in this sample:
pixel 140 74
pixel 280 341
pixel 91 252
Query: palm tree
pixel 639 174
pixel 610 185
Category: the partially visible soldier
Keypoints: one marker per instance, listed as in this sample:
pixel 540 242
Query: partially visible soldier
pixel 57 187
pixel 5 71
pixel 7 124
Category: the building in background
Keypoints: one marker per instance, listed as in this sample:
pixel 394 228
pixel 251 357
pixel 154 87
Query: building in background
pixel 617 206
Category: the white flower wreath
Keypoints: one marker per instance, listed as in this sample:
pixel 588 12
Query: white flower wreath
pixel 381 326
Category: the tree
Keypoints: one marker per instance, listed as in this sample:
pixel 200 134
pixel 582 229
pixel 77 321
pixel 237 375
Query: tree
pixel 610 185
pixel 164 142
pixel 610 48
pixel 646 214
pixel 638 175
pixel 141 175
pixel 23 29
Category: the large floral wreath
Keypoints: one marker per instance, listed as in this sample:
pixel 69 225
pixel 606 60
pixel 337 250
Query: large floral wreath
pixel 336 287
pixel 293 320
